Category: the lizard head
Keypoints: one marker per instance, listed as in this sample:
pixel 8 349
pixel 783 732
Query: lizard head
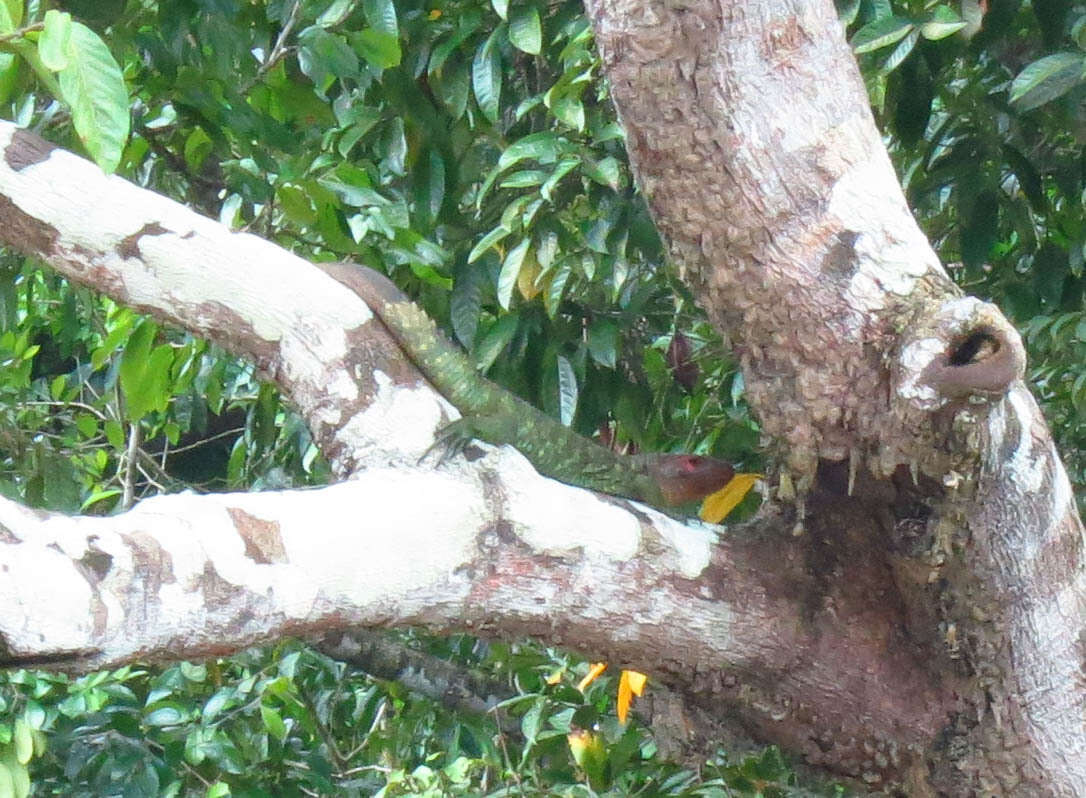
pixel 684 478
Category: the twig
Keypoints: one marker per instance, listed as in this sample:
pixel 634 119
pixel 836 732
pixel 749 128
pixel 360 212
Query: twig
pixel 278 50
pixel 129 481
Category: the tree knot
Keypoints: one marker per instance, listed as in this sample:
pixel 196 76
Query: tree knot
pixel 965 349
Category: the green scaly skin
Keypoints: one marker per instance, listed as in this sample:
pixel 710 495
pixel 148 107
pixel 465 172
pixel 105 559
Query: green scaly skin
pixel 493 414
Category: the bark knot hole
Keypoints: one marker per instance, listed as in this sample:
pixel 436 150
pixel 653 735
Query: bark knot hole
pixel 975 347
pixel 983 359
pixel 965 348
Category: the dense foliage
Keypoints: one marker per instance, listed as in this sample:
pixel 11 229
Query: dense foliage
pixel 468 149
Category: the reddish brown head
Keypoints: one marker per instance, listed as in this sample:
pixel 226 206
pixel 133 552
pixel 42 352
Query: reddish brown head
pixel 684 478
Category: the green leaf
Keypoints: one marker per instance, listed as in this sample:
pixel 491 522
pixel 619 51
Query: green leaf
pixel 1050 271
pixel 486 77
pixel 22 741
pixel 197 147
pixel 323 57
pixel 565 166
pixel 464 304
pixel 552 297
pixel 847 11
pixel 495 340
pixel 1029 180
pixel 378 48
pixel 167 713
pixel 381 15
pixel 11 15
pixel 57 386
pixel 35 715
pixel 93 87
pixel 507 279
pixel 335 13
pixel 219 789
pixel 469 23
pixel 20 779
pixel 569 110
pixel 9 75
pixel 524 179
pixel 542 146
pixel 608 172
pixel 7 785
pixel 501 7
pixel 97 496
pixel 532 721
pixel 981 230
pixel 55 39
pixel 273 722
pixel 452 85
pixel 145 372
pixel 87 424
pixel 525 31
pixel 115 434
pixel 900 53
pixel 429 187
pixel 486 242
pixel 942 23
pixel 881 33
pixel 1046 79
pixel 603 342
pixel 567 391
pixel 295 203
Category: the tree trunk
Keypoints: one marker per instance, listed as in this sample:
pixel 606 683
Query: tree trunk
pixel 928 484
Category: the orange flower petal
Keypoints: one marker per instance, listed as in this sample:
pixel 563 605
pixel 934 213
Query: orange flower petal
pixel 590 677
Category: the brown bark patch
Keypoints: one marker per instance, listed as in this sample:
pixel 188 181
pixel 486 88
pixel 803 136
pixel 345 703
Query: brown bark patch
pixel 217 591
pixel 234 333
pixel 130 245
pixel 26 149
pixel 263 541
pixel 841 259
pixel 152 563
pixel 24 232
pixel 97 564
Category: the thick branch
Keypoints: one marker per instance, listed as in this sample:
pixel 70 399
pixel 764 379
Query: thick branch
pixel 303 329
pixel 185 576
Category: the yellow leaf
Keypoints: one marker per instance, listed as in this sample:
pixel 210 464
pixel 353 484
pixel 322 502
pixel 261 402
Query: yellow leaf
pixel 590 677
pixel 556 677
pixel 435 13
pixel 631 683
pixel 526 277
pixel 590 754
pixel 716 506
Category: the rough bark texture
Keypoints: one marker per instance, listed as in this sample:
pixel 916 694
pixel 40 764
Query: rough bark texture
pixel 750 132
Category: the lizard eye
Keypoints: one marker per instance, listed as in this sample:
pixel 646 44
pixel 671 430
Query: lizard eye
pixel 690 462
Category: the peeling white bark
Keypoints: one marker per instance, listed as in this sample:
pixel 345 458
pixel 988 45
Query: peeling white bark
pixel 187 575
pixel 162 256
pixel 256 299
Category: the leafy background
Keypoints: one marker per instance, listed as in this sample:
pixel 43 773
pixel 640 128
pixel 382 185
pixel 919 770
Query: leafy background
pixel 468 149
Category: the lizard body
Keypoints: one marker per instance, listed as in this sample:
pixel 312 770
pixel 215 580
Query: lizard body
pixel 495 415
